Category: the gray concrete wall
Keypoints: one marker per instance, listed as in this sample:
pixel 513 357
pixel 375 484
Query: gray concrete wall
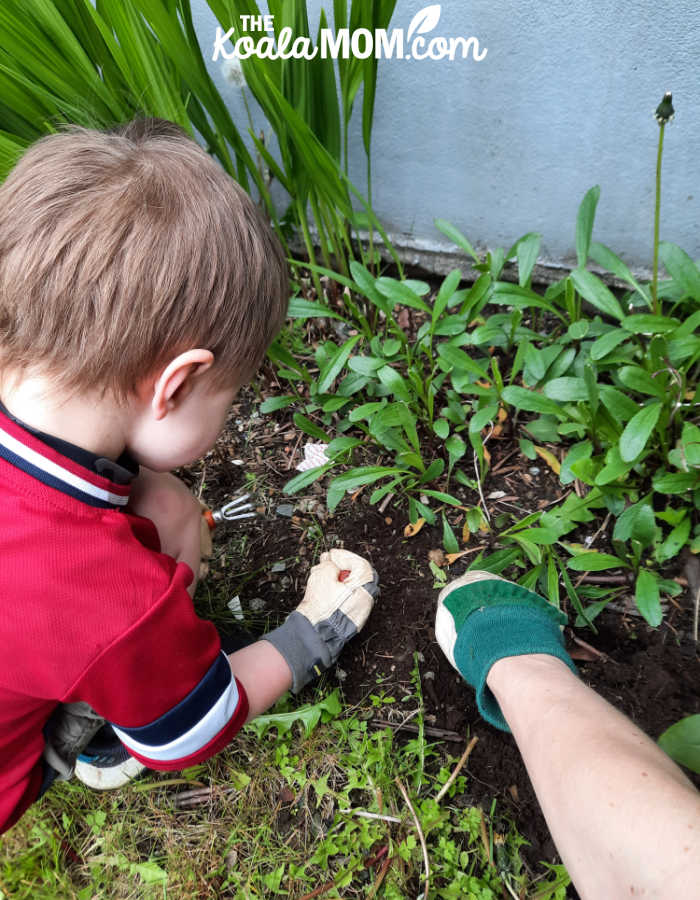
pixel 563 100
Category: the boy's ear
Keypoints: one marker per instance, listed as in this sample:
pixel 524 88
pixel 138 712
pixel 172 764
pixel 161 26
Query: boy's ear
pixel 176 380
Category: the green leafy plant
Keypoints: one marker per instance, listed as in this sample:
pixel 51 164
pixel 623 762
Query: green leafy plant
pixel 411 393
pixel 682 742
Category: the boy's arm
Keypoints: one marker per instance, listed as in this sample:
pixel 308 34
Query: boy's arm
pixel 264 674
pixel 175 512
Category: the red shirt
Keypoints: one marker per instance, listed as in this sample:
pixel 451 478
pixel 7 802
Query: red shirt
pixel 92 610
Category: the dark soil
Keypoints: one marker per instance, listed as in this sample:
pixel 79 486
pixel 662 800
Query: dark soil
pixel 652 675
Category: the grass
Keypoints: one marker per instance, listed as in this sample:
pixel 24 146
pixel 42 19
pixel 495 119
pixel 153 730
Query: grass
pixel 269 824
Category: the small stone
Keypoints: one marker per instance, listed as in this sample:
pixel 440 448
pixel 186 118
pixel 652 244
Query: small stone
pixel 340 674
pixel 257 604
pixel 286 510
pixel 496 495
pixel 534 470
pixel 234 604
pixel 429 675
pixel 277 567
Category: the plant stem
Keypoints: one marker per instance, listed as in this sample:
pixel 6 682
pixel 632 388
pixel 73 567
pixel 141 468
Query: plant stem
pixel 301 213
pixel 370 222
pixel 657 211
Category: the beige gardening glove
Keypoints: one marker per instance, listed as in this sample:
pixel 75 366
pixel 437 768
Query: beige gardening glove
pixel 339 597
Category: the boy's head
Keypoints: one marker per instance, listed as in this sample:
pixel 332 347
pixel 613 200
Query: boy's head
pixel 121 249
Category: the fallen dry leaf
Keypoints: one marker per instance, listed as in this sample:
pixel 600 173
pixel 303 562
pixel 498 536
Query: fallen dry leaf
pixel 412 529
pixel 501 418
pixel 437 556
pixel 549 458
pixel 453 557
pixel 466 533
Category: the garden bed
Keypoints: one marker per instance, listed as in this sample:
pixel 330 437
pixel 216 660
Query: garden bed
pixel 650 674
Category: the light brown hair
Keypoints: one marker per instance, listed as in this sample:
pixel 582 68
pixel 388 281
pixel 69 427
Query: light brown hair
pixel 120 249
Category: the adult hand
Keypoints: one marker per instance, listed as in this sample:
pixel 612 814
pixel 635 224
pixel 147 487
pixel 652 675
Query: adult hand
pixel 482 618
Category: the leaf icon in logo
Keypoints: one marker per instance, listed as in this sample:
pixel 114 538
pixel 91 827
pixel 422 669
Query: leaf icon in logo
pixel 424 20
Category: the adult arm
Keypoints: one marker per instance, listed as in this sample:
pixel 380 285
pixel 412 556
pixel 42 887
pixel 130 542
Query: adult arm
pixel 624 818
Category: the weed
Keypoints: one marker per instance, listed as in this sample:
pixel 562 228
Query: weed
pixel 305 797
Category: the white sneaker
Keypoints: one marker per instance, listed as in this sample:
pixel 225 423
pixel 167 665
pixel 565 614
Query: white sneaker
pixel 107 770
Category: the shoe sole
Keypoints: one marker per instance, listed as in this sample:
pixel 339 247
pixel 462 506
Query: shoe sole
pixel 109 777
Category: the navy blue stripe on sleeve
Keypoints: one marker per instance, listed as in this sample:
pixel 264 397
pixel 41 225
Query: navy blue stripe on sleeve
pixel 182 718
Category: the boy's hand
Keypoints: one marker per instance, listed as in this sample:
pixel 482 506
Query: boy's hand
pixel 339 597
pixel 176 513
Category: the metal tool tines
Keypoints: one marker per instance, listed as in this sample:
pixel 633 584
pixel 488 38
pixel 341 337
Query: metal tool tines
pixel 235 509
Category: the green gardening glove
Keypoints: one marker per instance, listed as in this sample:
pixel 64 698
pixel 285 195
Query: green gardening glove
pixel 482 618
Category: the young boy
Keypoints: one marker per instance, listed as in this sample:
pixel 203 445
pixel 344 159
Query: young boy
pixel 139 289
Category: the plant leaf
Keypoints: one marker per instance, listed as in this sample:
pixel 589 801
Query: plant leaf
pixel 682 742
pixel 596 293
pixel 531 401
pixel 593 561
pixel 646 595
pixel 681 268
pixel 638 431
pixel 333 367
pixel 584 223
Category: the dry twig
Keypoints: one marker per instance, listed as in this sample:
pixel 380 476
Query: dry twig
pixel 485 838
pixel 457 769
pixel 364 814
pixel 380 877
pixel 421 838
pixel 591 649
pixel 692 573
pixel 319 890
pixel 385 502
pixel 427 729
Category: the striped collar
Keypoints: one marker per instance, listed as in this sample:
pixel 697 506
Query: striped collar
pixel 26 451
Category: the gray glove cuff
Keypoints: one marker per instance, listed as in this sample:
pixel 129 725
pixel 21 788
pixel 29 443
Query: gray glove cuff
pixel 309 650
